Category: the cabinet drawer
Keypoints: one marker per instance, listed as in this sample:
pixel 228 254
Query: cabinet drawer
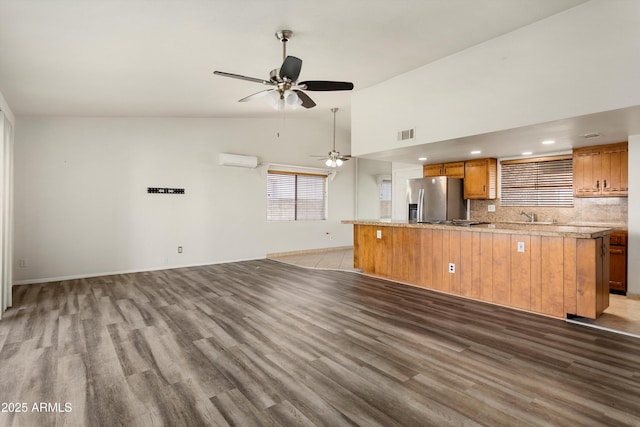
pixel 619 239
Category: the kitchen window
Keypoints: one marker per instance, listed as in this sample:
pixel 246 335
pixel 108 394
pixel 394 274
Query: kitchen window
pixel 546 181
pixel 296 196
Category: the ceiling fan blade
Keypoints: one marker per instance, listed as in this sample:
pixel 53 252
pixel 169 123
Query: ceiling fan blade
pixel 324 85
pixel 256 95
pixel 306 101
pixel 238 76
pixel 290 68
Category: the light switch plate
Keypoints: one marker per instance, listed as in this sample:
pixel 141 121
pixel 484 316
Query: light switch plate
pixel 520 246
pixel 491 208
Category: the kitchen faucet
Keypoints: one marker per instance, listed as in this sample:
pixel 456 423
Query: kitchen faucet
pixel 531 218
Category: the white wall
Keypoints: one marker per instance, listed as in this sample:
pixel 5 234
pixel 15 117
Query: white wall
pixel 82 207
pixel 368 198
pixel 4 107
pixel 7 121
pixel 584 60
pixel 401 173
pixel 633 251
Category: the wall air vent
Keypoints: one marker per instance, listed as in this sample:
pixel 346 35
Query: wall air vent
pixel 403 135
pixel 591 135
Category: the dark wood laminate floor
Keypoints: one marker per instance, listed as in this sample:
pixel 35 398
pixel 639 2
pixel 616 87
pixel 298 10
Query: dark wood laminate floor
pixel 265 343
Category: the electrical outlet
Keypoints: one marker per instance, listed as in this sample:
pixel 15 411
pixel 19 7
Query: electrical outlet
pixel 491 208
pixel 452 267
pixel 23 263
pixel 179 249
pixel 378 234
pixel 520 246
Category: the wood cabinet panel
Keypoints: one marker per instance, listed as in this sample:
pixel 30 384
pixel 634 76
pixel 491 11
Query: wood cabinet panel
pixel 406 254
pixel 614 171
pixel 466 265
pixel 521 266
pixel 601 171
pixel 356 246
pixel 437 265
pixel 480 179
pixel 426 243
pixel 570 285
pixel 451 169
pixel 618 262
pixel 536 274
pixel 454 169
pixel 586 173
pixel 552 289
pixel 454 257
pixel 592 256
pixel 501 269
pixel 486 266
pixel 432 170
pixel 555 276
pixel 618 269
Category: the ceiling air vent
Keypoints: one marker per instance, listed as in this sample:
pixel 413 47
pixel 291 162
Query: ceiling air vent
pixel 591 135
pixel 403 135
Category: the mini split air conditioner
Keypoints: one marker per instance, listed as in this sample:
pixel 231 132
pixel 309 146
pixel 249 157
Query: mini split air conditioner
pixel 238 160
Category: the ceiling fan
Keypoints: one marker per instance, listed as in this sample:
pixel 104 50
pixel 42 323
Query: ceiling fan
pixel 334 158
pixel 286 88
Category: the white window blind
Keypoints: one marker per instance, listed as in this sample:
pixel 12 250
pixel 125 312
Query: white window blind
pixel 544 181
pixel 294 196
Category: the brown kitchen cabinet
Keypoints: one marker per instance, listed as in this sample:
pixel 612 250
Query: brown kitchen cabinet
pixel 601 171
pixel 480 179
pixel 452 170
pixel 618 263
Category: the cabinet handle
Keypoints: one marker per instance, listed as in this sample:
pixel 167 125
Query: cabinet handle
pixel 605 183
pixel 598 184
pixel 484 188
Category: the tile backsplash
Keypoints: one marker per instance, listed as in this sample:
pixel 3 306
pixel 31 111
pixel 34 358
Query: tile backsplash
pixel 603 210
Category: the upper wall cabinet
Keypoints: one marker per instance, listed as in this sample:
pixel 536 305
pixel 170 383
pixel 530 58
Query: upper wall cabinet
pixel 452 170
pixel 601 171
pixel 480 179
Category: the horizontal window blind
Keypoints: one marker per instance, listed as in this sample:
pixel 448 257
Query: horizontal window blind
pixel 537 182
pixel 293 196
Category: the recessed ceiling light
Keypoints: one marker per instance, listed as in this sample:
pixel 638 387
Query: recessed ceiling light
pixel 527 153
pixel 476 152
pixel 422 159
pixel 548 142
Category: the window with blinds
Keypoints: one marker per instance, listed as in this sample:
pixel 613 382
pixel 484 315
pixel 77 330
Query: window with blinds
pixel 294 196
pixel 385 199
pixel 544 181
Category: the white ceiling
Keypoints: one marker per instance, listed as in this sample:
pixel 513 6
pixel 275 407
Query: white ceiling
pixel 156 58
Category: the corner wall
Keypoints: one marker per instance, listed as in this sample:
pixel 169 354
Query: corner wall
pixel 82 207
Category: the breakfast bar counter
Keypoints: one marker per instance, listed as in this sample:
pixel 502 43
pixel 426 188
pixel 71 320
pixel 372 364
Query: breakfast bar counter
pixel 549 269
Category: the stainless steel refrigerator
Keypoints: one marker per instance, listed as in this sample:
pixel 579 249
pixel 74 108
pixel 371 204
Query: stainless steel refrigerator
pixel 436 199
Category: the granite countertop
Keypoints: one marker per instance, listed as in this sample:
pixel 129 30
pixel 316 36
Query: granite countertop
pixel 558 230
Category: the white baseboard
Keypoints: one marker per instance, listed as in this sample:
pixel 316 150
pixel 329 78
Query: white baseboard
pixel 111 273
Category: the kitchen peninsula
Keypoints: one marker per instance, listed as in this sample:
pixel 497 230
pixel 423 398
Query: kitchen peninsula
pixel 554 270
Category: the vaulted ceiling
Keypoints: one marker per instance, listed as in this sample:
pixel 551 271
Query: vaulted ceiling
pixel 156 58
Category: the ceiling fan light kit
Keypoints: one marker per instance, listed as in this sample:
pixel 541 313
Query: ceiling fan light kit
pixel 286 89
pixel 334 158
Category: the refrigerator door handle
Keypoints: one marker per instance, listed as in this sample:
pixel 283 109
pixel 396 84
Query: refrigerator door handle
pixel 420 201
